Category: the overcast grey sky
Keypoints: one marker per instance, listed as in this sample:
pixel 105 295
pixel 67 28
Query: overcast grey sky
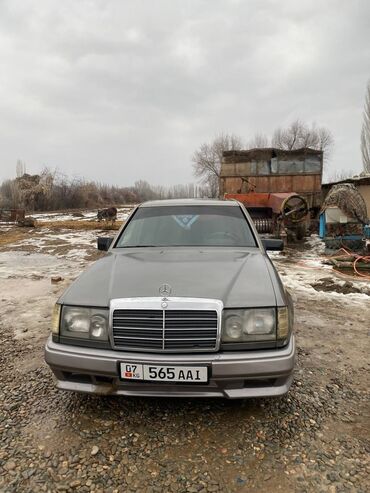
pixel 117 90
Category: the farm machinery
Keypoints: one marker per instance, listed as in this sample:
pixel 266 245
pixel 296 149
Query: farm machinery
pixel 280 214
pixel 281 189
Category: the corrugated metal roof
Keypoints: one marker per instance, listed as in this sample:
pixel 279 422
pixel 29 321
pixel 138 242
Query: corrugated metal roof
pixel 356 180
pixel 264 153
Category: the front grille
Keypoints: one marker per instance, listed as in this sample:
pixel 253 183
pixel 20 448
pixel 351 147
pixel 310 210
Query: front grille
pixel 165 330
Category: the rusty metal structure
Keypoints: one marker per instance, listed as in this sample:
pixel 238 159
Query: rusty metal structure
pixel 281 189
pixel 12 215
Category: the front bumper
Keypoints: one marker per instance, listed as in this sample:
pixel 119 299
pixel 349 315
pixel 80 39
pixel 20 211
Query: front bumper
pixel 234 375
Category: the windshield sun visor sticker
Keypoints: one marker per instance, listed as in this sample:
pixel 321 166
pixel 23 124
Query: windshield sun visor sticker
pixel 186 220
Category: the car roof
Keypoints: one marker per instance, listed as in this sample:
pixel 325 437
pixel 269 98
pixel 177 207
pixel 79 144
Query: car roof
pixel 179 202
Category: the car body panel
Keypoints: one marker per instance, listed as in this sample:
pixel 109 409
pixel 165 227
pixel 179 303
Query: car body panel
pixel 237 277
pixel 84 370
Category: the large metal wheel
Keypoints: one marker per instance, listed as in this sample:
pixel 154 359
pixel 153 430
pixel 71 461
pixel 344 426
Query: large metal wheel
pixel 294 209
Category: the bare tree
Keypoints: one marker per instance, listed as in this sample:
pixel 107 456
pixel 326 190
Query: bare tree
pixel 20 168
pixel 207 159
pixel 259 141
pixel 143 189
pixel 365 132
pixel 298 134
pixel 53 190
pixel 9 194
pixel 340 175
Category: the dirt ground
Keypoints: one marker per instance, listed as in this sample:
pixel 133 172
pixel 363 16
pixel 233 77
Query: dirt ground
pixel 314 439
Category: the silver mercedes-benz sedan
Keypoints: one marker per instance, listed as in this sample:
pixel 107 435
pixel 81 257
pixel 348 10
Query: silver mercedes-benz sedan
pixel 185 303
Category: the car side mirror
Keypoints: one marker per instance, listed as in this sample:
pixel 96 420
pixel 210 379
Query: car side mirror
pixel 104 242
pixel 273 244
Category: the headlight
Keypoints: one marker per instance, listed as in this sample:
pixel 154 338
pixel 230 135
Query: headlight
pixel 258 324
pixel 84 323
pixel 233 327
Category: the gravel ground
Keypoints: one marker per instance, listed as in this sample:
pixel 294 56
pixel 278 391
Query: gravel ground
pixel 314 439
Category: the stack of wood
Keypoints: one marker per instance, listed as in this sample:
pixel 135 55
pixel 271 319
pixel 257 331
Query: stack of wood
pixel 342 263
pixel 349 261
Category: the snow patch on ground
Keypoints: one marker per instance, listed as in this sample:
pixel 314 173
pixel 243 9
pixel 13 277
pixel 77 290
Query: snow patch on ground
pixel 122 215
pixel 63 243
pixel 300 268
pixel 77 253
pixel 27 291
pixel 35 266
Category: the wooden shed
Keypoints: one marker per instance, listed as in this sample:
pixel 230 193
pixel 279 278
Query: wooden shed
pixel 270 170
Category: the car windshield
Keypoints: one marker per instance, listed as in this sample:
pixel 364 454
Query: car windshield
pixel 188 225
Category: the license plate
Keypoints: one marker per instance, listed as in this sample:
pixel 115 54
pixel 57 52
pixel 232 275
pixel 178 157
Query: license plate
pixel 159 373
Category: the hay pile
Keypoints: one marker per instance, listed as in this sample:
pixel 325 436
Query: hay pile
pixel 349 200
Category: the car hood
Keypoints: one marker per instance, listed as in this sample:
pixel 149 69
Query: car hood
pixel 239 278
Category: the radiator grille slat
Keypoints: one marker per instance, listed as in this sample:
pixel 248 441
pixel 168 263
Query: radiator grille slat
pixel 183 324
pixel 197 314
pixel 141 344
pixel 138 313
pixel 165 330
pixel 139 323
